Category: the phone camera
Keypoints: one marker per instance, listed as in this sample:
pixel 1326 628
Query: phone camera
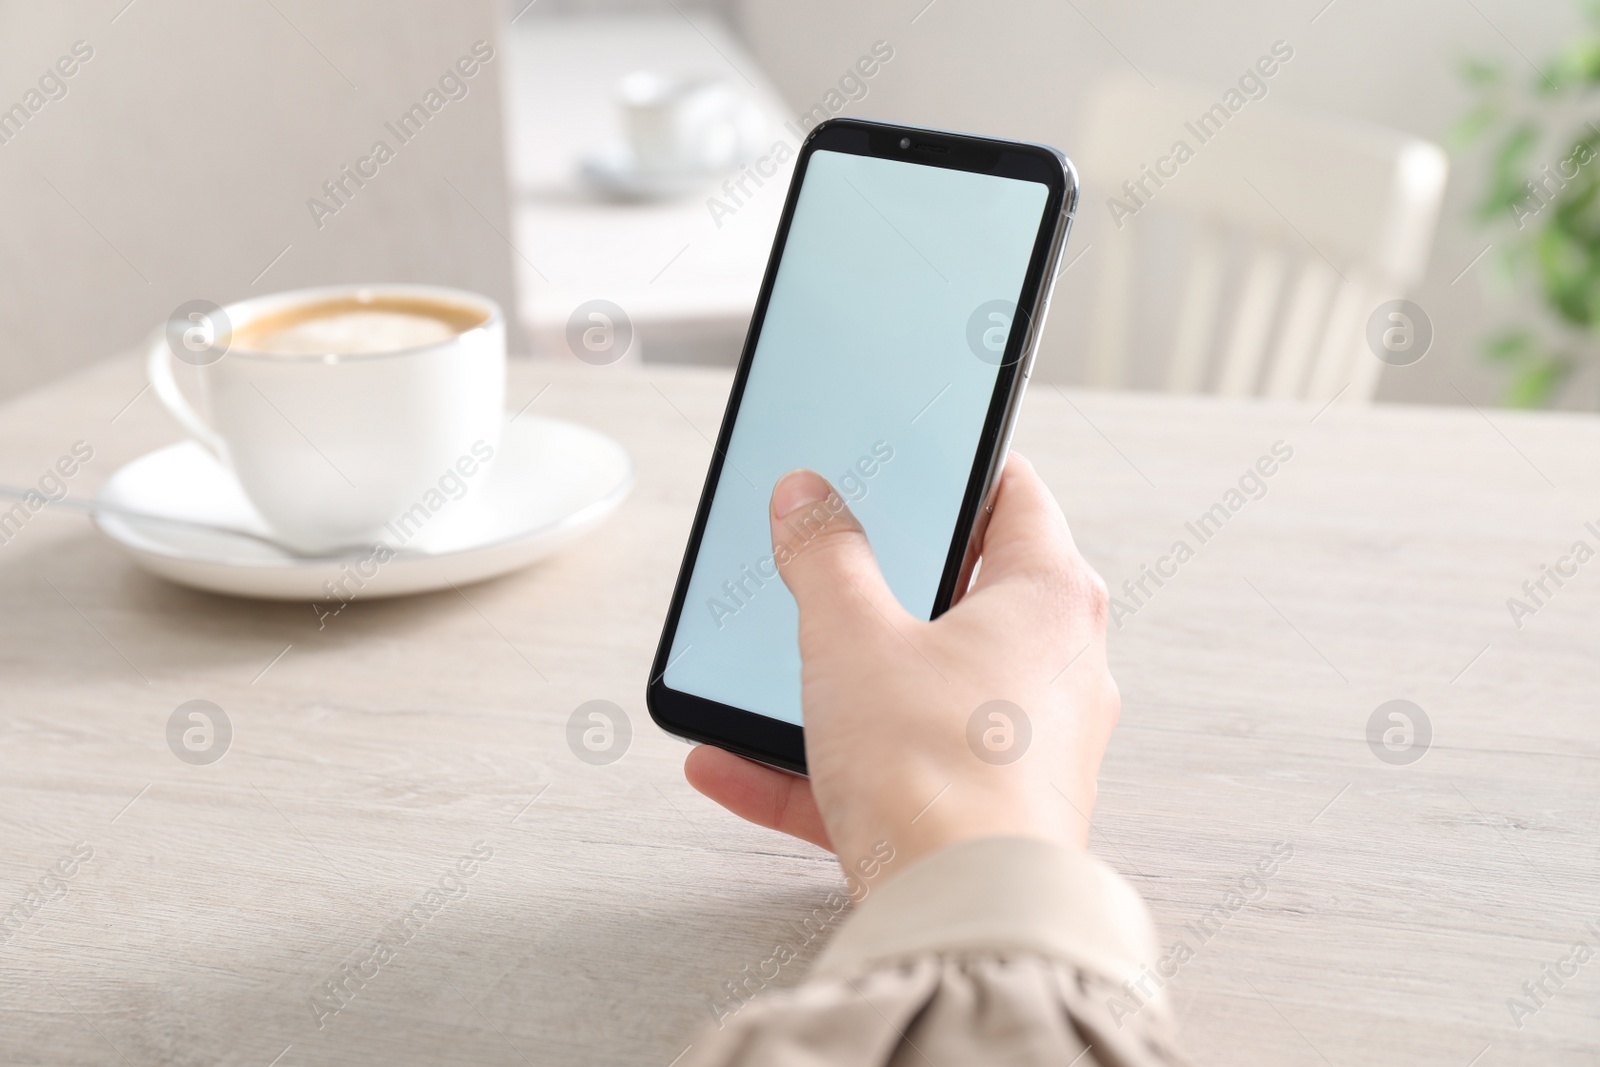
pixel 905 142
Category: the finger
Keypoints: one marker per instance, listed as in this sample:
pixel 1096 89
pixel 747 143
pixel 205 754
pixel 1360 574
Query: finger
pixel 757 793
pixel 821 549
pixel 1027 533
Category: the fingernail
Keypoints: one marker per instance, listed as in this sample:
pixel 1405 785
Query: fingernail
pixel 796 490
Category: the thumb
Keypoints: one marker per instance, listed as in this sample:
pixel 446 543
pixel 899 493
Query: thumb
pixel 821 549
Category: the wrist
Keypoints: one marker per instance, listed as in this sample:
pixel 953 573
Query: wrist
pixel 911 828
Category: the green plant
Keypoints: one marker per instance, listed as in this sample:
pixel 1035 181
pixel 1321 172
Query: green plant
pixel 1543 197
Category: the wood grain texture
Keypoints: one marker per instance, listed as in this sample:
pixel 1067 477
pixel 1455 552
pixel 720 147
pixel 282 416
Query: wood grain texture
pixel 379 750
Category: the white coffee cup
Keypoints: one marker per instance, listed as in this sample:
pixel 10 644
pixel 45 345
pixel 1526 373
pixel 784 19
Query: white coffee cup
pixel 340 428
pixel 678 124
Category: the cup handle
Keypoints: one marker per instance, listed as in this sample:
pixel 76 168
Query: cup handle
pixel 158 367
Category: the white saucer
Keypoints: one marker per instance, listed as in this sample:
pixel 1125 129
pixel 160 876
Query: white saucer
pixel 551 483
pixel 614 172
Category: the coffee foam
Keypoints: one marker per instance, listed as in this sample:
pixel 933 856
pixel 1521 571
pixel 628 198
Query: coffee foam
pixel 355 326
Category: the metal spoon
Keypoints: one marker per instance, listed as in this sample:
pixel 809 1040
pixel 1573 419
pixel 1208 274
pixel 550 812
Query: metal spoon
pixel 353 551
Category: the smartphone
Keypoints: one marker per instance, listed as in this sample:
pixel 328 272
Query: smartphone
pixel 889 348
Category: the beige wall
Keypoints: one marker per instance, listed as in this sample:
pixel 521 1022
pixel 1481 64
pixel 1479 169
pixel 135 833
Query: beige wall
pixel 179 162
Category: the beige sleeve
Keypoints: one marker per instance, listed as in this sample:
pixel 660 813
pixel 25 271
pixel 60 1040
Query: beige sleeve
pixel 1004 950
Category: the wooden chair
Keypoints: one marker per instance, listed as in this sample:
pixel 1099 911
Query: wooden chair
pixel 1286 230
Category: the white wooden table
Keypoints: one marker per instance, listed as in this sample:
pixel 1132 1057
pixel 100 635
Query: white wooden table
pixel 371 756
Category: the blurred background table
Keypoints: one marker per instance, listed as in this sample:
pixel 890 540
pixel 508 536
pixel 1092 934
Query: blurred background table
pixel 687 278
pixel 370 755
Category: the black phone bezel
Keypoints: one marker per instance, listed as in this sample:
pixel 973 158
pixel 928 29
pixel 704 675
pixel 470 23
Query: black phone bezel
pixel 761 737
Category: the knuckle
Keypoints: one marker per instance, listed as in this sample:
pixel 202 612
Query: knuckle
pixel 817 531
pixel 1070 593
pixel 1092 590
pixel 1086 593
pixel 835 551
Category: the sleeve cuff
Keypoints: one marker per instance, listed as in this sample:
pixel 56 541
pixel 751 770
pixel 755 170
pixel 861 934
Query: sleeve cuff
pixel 1005 894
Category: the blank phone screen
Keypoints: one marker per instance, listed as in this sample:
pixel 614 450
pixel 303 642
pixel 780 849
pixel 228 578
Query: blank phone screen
pixel 875 366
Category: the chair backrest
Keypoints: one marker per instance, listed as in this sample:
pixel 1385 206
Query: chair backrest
pixel 1287 231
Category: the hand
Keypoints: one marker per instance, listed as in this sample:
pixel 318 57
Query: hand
pixel 890 701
